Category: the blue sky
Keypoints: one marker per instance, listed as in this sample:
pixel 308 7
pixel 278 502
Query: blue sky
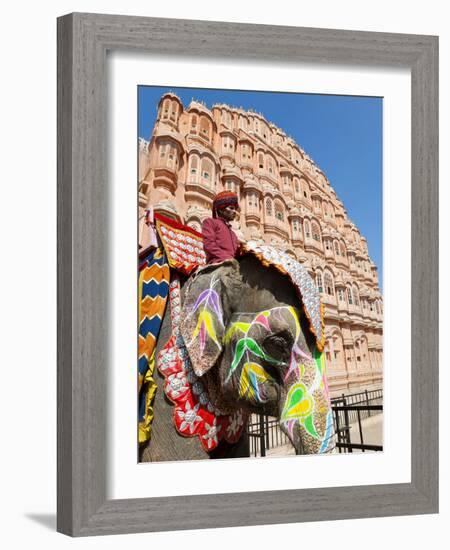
pixel 342 134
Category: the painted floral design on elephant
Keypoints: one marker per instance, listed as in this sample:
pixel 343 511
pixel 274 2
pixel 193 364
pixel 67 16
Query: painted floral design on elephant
pixel 305 411
pixel 254 379
pixel 208 311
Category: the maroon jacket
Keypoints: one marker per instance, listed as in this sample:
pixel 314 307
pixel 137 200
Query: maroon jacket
pixel 219 240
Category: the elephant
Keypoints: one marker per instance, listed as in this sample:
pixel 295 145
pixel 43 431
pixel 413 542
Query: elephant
pixel 250 343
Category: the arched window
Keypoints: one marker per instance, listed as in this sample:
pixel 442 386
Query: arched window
pixel 244 148
pixel 174 111
pixel 305 188
pixel 341 295
pixel 226 118
pixel 336 248
pixel 357 351
pixel 327 244
pixel 270 165
pixel 329 286
pixel 264 130
pixel 319 283
pixel 269 207
pixel 279 214
pixel 194 124
pixel 171 156
pixel 232 186
pixel 350 295
pixel 307 229
pixel 194 167
pixel 227 143
pixel 296 186
pixel 253 201
pixel 289 152
pixel 162 150
pixel 356 295
pixel 315 231
pixel 343 254
pixel 260 161
pixel 295 227
pixel 166 106
pixel 204 127
pixel 207 171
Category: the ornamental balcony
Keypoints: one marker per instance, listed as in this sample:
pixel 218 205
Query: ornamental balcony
pixel 341 261
pixel 269 177
pixel 312 245
pixel 288 192
pixel 246 163
pixel 306 202
pixel 329 299
pixel 331 221
pixel 329 255
pixel 342 306
pixel 227 154
pixel 297 240
pixel 253 217
pixel 355 312
pixel 165 177
pixel 277 228
pixel 353 269
pixel 203 140
pixel 199 192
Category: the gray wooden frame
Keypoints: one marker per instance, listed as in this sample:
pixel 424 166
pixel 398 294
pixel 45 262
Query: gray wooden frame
pixel 83 42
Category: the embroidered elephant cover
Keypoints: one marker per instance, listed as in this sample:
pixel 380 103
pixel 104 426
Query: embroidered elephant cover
pixel 182 244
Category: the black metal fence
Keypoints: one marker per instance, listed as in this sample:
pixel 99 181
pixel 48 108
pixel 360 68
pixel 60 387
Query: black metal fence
pixel 265 434
pixel 348 413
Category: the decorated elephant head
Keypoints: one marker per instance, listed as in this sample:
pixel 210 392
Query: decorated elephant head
pixel 251 339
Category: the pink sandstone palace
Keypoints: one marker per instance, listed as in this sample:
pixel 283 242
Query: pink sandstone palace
pixel 285 200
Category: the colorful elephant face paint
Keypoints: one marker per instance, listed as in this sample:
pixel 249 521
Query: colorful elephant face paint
pixel 203 327
pixel 306 415
pixel 304 408
pixel 247 335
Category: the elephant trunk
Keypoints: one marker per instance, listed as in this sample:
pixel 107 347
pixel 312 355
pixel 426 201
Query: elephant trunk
pixel 306 418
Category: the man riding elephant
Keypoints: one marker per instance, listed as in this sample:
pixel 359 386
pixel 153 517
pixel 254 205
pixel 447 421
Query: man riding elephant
pixel 219 240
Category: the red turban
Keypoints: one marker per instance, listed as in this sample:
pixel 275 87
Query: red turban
pixel 224 199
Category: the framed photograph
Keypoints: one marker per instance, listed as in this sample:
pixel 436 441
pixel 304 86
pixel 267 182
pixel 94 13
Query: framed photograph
pixel 166 125
pixel 219 181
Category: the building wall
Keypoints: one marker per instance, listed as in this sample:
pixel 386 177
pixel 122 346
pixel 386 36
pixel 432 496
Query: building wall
pixel 285 200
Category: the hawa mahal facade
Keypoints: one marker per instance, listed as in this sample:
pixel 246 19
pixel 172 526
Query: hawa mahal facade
pixel 285 200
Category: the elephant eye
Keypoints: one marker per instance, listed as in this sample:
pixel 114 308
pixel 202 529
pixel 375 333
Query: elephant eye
pixel 279 345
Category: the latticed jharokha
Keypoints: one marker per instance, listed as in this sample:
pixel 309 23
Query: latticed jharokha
pixel 285 200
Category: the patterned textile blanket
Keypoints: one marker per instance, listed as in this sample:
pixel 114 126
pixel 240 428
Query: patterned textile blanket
pixel 182 244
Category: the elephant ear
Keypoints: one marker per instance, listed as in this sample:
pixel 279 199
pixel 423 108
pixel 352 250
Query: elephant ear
pixel 202 318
